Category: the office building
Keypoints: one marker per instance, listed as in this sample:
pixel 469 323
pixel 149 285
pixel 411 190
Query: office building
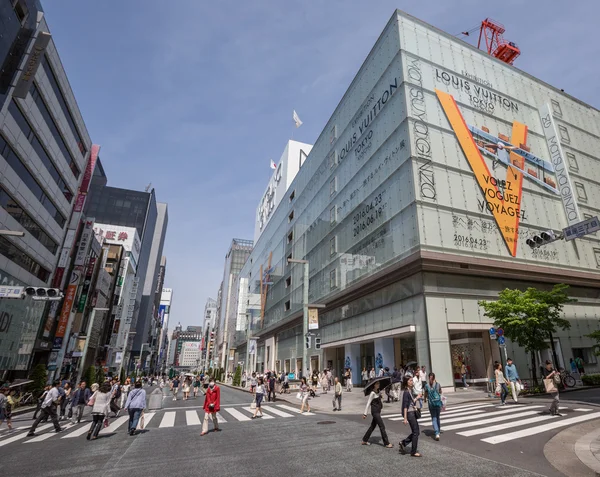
pixel 416 201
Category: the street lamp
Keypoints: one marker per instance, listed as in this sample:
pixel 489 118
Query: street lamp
pixel 12 233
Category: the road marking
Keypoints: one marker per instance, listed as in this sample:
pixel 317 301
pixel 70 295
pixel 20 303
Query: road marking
pixel 391 415
pixel 582 409
pixel 168 420
pixel 147 418
pixel 506 425
pixel 220 419
pixel 499 418
pixel 293 409
pixel 462 412
pixel 48 435
pixel 114 425
pixel 471 417
pixel 539 429
pixel 277 412
pixel 425 416
pixel 465 406
pixel 251 411
pixel 23 435
pixel 77 432
pixel 12 433
pixel 191 418
pixel 237 414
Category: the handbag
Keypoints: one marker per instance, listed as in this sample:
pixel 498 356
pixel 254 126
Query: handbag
pixel 106 423
pixel 550 386
pixel 142 421
pixel 557 378
pixel 253 405
pixel 299 396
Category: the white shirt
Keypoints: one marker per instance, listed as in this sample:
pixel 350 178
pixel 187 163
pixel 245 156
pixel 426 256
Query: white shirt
pixel 260 389
pixel 51 396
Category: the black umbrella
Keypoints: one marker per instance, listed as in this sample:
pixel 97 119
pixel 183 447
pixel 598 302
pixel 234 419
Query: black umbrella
pixel 409 364
pixel 384 382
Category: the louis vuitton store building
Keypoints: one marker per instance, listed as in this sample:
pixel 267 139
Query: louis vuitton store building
pixel 416 201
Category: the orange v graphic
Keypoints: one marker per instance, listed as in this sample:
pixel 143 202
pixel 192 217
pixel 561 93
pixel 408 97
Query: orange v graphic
pixel 504 205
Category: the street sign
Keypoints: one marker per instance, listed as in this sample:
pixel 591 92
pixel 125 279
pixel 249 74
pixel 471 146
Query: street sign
pixel 502 345
pixel 11 292
pixel 580 229
pixel 492 331
pixel 493 337
pixel 501 340
pixel 500 332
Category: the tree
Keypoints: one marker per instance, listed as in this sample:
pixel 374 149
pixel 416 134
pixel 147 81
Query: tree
pixel 529 318
pixel 100 375
pixel 122 376
pixel 237 378
pixel 39 376
pixel 595 336
pixel 90 376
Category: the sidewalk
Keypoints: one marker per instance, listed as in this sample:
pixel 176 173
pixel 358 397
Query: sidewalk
pixel 587 449
pixel 575 451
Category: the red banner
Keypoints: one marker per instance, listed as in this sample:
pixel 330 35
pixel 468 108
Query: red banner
pixel 89 170
pixel 68 302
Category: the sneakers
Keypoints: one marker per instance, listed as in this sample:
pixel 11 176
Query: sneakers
pixel 30 434
pixel 437 437
pixel 401 448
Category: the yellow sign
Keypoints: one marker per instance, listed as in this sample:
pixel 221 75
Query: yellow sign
pixel 313 319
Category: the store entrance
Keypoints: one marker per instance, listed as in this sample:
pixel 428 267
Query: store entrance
pixel 468 347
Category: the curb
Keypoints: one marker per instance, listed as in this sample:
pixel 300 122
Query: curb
pixel 584 452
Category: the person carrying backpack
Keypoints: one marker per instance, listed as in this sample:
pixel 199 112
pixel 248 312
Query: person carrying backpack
pixel 433 397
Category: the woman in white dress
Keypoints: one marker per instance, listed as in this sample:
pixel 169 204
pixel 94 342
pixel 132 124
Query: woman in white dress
pixel 186 389
pixel 125 388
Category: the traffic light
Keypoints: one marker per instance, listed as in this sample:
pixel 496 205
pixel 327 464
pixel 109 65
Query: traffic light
pixel 317 343
pixel 43 294
pixel 543 239
pixel 308 341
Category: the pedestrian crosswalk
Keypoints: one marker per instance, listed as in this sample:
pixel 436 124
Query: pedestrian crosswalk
pixel 497 424
pixel 152 420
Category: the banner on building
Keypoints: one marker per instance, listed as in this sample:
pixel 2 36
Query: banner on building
pixel 67 306
pixel 89 170
pixel 313 319
pixel 31 66
pixel 84 242
pixel 251 346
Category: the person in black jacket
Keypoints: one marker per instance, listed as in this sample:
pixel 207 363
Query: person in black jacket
pixel 408 411
pixel 376 407
pixel 271 385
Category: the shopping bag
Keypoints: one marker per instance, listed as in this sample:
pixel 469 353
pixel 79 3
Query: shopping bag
pixel 141 424
pixel 253 405
pixel 444 399
pixel 498 389
pixel 518 387
pixel 299 396
pixel 550 386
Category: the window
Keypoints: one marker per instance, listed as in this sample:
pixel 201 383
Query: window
pixel 333 245
pixel 580 189
pixel 16 255
pixel 597 257
pixel 63 104
pixel 332 159
pixel 21 11
pixel 572 160
pixel 39 101
pixel 287 306
pixel 333 134
pixel 15 162
pixel 293 195
pixel 17 212
pixel 564 134
pixel 586 354
pixel 333 215
pixel 332 186
pixel 290 237
pixel 33 139
pixel 288 282
pixel 333 279
pixel 291 216
pixel 556 108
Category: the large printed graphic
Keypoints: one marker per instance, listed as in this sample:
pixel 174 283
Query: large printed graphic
pixel 502 196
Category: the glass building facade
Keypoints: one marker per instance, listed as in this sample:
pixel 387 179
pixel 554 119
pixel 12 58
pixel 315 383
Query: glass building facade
pixel 407 217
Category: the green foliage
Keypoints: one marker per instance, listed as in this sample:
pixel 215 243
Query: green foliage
pixel 591 379
pixel 122 376
pixel 90 376
pixel 100 377
pixel 595 336
pixel 39 376
pixel 237 377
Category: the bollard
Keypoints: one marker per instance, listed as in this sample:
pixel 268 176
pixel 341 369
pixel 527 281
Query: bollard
pixel 156 399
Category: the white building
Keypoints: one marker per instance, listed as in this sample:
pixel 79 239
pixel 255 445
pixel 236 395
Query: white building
pixel 190 354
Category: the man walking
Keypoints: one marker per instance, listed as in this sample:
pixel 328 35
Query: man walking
pixel 80 399
pixel 510 371
pixel 175 388
pixel 579 364
pixel 337 395
pixel 212 405
pixel 48 409
pixel 271 387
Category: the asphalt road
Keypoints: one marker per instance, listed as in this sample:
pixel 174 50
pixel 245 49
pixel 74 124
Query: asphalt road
pixel 306 445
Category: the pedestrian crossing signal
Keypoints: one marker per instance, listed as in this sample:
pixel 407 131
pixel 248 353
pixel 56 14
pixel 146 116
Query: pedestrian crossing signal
pixel 317 343
pixel 308 342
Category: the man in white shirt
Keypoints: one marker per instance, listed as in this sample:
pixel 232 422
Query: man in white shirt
pixel 48 409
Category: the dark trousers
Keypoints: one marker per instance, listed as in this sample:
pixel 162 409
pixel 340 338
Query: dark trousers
pixel 271 394
pixel 96 424
pixel 38 408
pixel 45 413
pixel 377 421
pixel 414 436
pixel 134 417
pixel 338 398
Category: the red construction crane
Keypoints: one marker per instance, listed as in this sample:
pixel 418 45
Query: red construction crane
pixel 496 45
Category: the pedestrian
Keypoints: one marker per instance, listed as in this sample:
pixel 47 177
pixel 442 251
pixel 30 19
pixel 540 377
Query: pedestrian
pixel 365 377
pixel 501 384
pixel 196 386
pixel 376 405
pixel 48 409
pixel 135 405
pixel 372 374
pixel 380 372
pixel 463 373
pixel 512 375
pixel 423 377
pixel 433 397
pixel 212 405
pixel 115 397
pixel 579 363
pixel 186 389
pixel 573 366
pixel 253 383
pixel 551 373
pixel 80 398
pixel 260 394
pixel 417 388
pixel 348 380
pixel 125 389
pixel 271 385
pixel 65 401
pixel 337 395
pixel 40 401
pixel 329 379
pixel 410 418
pixel 5 407
pixel 175 388
pixel 304 396
pixel 101 400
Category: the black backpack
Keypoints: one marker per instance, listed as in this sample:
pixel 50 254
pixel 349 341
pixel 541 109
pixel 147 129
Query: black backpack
pixel 118 393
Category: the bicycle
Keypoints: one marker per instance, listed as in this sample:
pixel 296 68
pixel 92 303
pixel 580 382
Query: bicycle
pixel 567 379
pixel 25 399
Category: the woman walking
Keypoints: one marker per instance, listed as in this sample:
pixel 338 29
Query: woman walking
pixel 135 405
pixel 65 401
pixel 501 383
pixel 408 411
pixel 324 382
pixel 100 409
pixel 376 406
pixel 260 394
pixel 186 389
pixel 125 389
pixel 433 397
pixel 551 373
pixel 303 396
pixel 349 380
pixel 365 377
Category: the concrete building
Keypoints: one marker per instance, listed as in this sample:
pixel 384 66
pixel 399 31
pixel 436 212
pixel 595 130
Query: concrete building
pixel 164 310
pixel 44 153
pixel 407 181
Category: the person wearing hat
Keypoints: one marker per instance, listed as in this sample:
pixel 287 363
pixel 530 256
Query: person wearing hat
pixel 48 409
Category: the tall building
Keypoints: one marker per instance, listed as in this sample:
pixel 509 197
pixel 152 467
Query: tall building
pixel 234 261
pixel 44 157
pixel 164 310
pixel 417 201
pixel 210 318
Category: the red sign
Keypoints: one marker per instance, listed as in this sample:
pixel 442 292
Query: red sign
pixel 110 235
pixel 79 202
pixel 68 303
pixel 58 276
pixel 89 170
pixel 122 236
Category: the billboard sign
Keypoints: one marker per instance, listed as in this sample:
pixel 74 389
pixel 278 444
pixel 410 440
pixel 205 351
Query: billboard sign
pixel 580 229
pixel 67 305
pixel 84 242
pixel 313 319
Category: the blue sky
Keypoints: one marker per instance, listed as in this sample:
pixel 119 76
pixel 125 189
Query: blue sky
pixel 195 97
